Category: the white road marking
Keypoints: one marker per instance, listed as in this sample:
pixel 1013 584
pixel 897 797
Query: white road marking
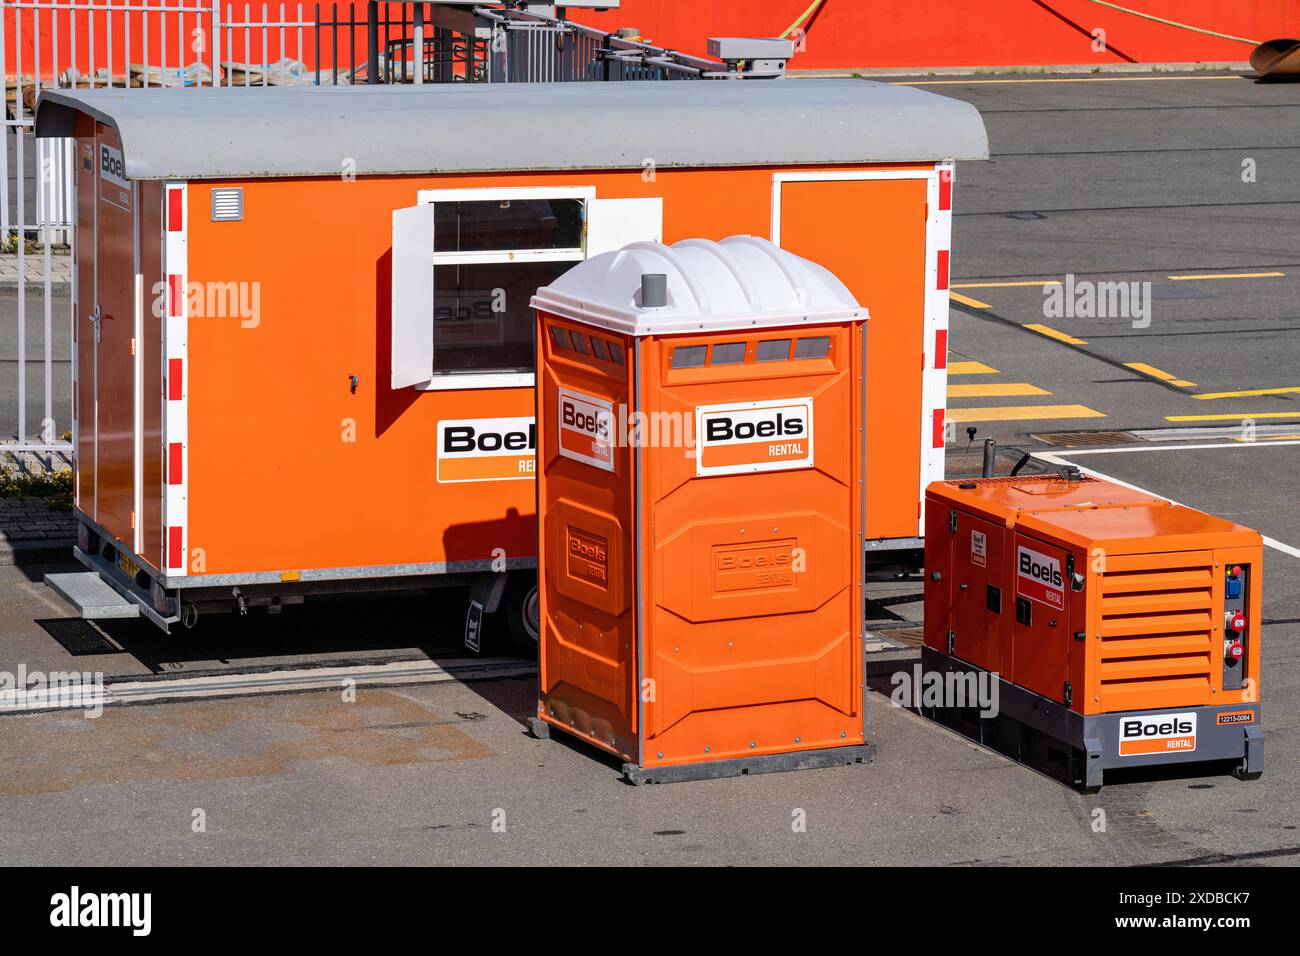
pixel 1060 459
pixel 127 691
pixel 1279 546
pixel 1132 448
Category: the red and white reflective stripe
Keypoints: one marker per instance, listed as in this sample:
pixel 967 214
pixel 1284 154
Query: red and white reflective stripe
pixel 176 350
pixel 936 428
pixel 934 384
pixel 945 189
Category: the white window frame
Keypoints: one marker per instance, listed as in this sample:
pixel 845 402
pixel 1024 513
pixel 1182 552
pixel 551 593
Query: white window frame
pixel 446 381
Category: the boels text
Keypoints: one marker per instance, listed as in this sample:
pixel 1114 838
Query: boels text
pixel 1048 574
pixel 724 428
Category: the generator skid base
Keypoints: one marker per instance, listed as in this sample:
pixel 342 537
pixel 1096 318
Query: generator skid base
pixel 1076 749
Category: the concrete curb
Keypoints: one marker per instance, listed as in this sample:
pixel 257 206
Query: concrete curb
pixel 59 287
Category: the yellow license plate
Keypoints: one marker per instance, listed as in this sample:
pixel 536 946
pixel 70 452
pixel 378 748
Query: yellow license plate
pixel 127 565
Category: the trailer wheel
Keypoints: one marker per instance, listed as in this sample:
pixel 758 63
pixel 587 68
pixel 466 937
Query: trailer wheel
pixel 523 614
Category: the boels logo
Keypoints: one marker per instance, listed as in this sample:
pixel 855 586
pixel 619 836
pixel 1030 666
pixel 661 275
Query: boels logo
pixel 754 567
pixel 755 559
pixel 1038 577
pixel 722 428
pixel 588 557
pixel 112 167
pixel 1157 734
pixel 487 449
pixel 754 436
pixel 586 429
pixel 113 185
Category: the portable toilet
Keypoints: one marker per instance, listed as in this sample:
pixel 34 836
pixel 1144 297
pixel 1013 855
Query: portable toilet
pixel 700 509
pixel 304 351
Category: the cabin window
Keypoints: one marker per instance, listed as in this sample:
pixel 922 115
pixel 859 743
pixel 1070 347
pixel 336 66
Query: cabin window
pixel 489 257
pixel 465 265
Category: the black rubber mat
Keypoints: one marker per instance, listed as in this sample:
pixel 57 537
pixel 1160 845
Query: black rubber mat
pixel 78 637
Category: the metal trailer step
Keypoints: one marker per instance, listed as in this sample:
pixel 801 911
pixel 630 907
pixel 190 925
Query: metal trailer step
pixel 93 599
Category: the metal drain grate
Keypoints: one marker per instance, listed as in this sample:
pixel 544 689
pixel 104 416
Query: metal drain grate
pixel 78 637
pixel 907 636
pixel 1082 439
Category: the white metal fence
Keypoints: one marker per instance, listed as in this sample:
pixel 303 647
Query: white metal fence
pixel 139 44
pixel 85 44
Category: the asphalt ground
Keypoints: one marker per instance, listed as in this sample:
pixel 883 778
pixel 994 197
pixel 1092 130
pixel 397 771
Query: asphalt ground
pixel 1132 181
pixel 421 774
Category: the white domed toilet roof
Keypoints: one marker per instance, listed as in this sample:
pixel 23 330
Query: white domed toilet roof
pixel 741 282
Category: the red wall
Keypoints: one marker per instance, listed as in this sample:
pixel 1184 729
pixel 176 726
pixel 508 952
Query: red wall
pixel 846 34
pixel 930 33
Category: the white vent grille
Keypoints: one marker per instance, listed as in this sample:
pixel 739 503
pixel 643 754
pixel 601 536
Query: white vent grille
pixel 227 205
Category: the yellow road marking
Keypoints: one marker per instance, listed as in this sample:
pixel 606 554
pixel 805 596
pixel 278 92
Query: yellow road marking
pixel 996 390
pixel 970 368
pixel 1057 334
pixel 1069 79
pixel 1230 275
pixel 1022 413
pixel 1249 392
pixel 1154 372
pixel 967 300
pixel 1266 438
pixel 1002 285
pixel 1230 418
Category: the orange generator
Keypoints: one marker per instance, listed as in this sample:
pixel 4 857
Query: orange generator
pixel 303 346
pixel 1116 629
pixel 700 499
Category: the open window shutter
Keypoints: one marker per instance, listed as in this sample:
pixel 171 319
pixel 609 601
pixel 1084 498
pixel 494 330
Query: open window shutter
pixel 412 317
pixel 613 223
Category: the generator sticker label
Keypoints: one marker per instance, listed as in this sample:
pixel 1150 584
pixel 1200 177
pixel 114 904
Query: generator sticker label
pixel 754 436
pixel 487 449
pixel 1157 734
pixel 1038 577
pixel 1235 717
pixel 978 549
pixel 586 429
pixel 113 184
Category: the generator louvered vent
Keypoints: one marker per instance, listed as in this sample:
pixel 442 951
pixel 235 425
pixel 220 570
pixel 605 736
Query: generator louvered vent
pixel 1156 631
pixel 227 205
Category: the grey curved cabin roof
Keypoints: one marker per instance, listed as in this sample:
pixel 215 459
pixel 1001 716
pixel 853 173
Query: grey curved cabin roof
pixel 223 133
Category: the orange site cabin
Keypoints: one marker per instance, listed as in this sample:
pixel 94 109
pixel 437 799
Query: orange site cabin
pixel 1122 629
pixel 304 349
